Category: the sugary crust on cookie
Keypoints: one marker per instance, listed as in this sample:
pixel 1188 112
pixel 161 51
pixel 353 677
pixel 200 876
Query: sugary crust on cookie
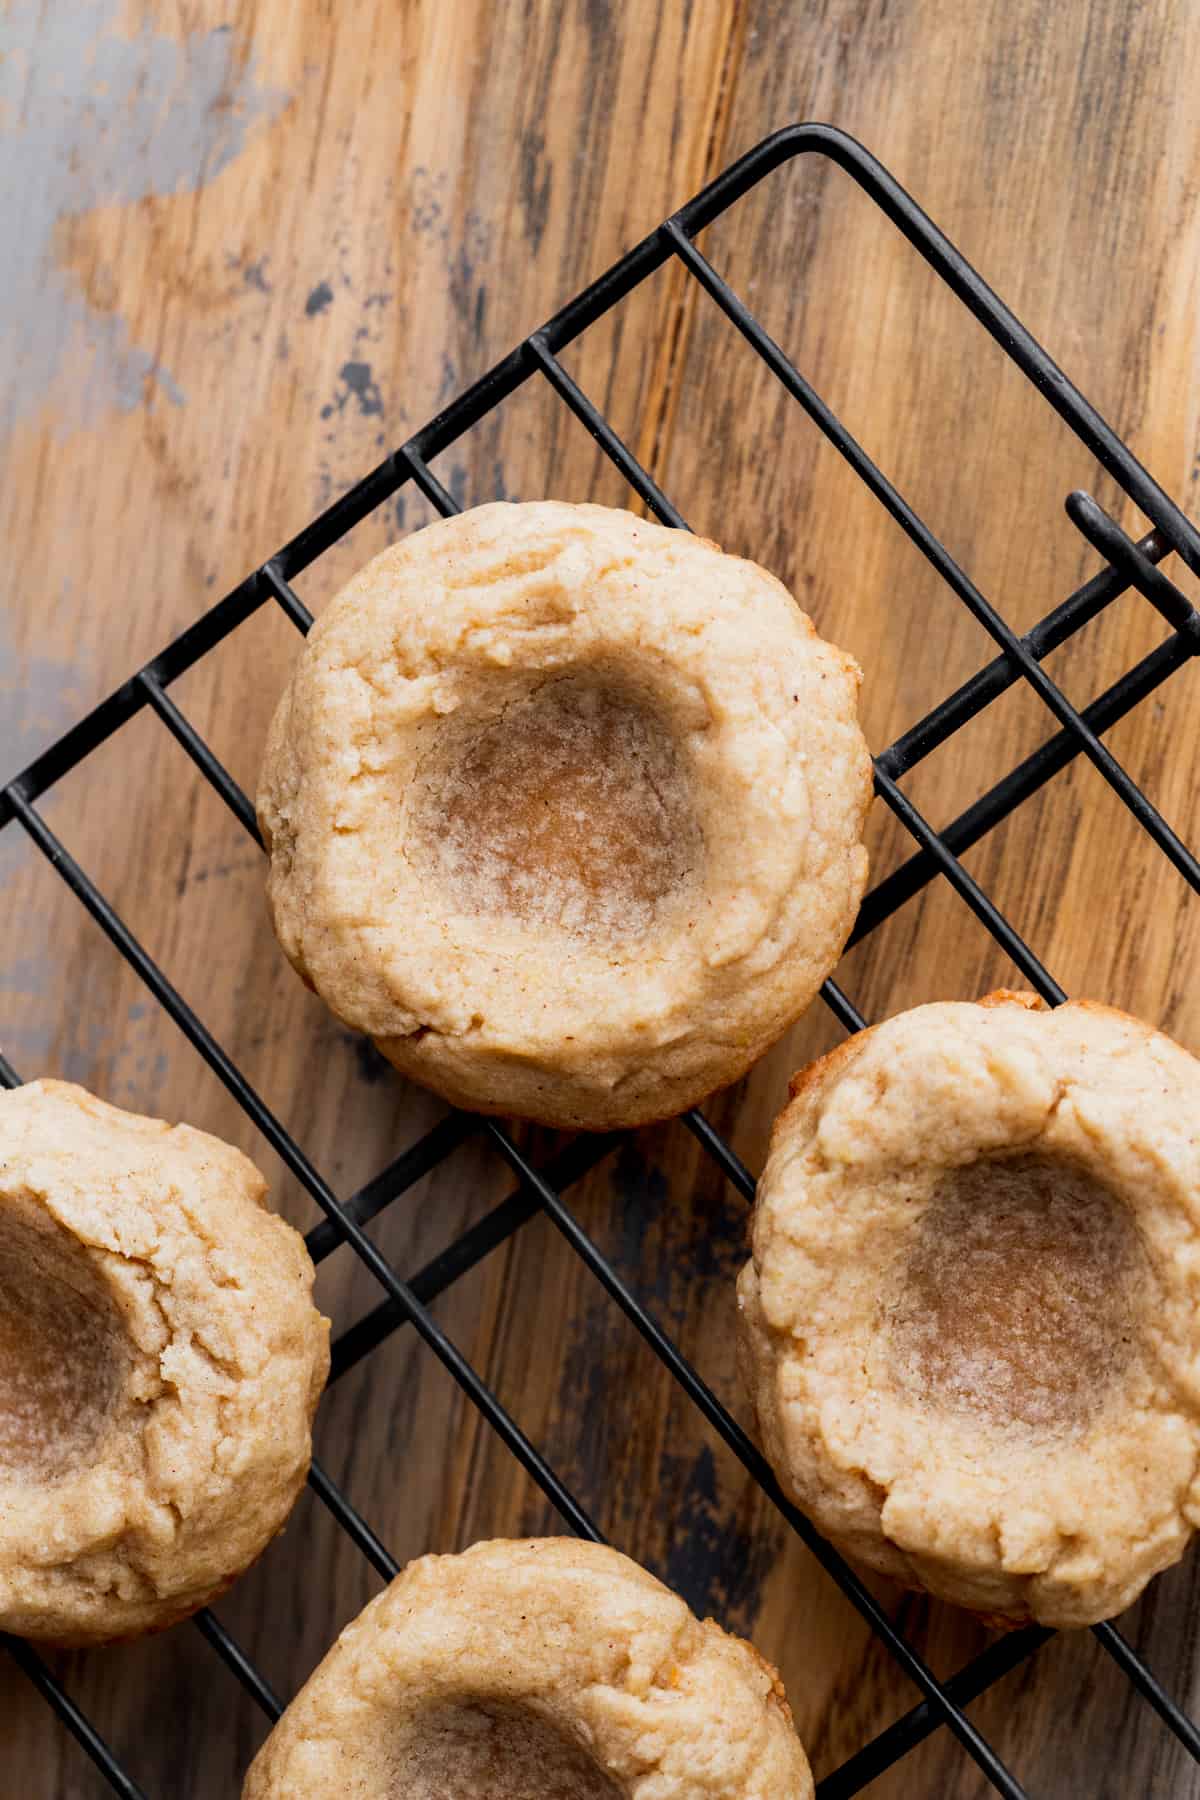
pixel 220 1359
pixel 1057 1519
pixel 570 1633
pixel 732 893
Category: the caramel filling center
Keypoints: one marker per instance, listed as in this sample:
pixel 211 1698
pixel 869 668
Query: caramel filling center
pixel 1018 1299
pixel 571 808
pixel 494 1751
pixel 62 1353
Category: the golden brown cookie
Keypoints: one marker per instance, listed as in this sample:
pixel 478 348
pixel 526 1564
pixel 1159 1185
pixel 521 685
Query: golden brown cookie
pixel 971 1321
pixel 539 1670
pixel 564 809
pixel 160 1364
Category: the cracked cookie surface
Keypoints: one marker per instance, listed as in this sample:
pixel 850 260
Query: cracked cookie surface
pixel 540 1669
pixel 970 1324
pixel 564 809
pixel 160 1363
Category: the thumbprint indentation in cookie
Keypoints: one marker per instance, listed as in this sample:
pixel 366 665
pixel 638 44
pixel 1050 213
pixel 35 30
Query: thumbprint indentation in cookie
pixel 491 1750
pixel 63 1356
pixel 1017 1302
pixel 570 807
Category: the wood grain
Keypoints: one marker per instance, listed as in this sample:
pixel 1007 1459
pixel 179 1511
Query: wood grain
pixel 258 245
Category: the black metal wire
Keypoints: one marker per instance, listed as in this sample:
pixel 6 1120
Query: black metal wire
pixel 188 1022
pixel 1020 785
pixel 731 1165
pixel 1006 935
pixel 209 766
pixel 467 1250
pixel 989 1667
pixel 1128 565
pixel 428 483
pixel 1084 605
pixel 1105 535
pixel 352 1522
pixel 81 1729
pixel 637 477
pixel 756 1464
pixel 235 1658
pixel 295 609
pixel 936 554
pixel 1151 1689
pixel 408 1168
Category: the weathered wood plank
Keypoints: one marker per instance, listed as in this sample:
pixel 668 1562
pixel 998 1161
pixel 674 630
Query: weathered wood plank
pixel 241 280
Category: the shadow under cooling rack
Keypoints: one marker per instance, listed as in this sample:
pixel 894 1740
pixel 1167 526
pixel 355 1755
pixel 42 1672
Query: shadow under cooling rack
pixel 1072 732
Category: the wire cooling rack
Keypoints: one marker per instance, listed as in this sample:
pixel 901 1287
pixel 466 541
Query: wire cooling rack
pixel 1129 564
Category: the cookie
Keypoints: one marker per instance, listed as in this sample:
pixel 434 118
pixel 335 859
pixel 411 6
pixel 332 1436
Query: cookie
pixel 160 1363
pixel 530 1670
pixel 564 809
pixel 971 1321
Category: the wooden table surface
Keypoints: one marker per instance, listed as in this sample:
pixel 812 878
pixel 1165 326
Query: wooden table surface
pixel 249 247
